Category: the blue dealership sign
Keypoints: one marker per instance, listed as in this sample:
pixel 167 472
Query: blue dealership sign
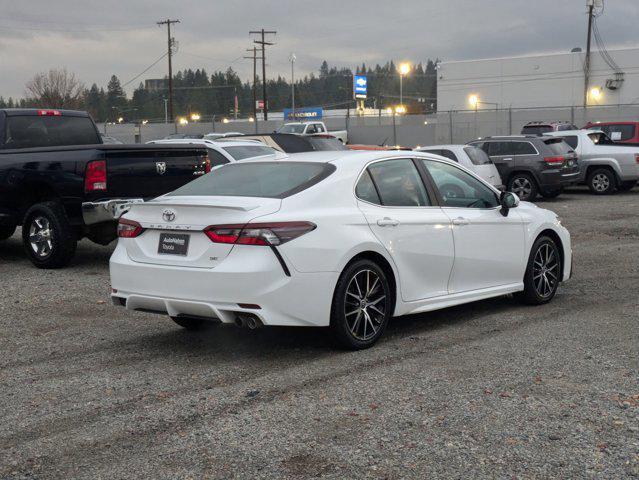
pixel 306 113
pixel 360 85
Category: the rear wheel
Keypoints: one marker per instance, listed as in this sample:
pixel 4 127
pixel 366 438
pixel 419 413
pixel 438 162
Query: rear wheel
pixel 47 236
pixel 601 181
pixel 524 186
pixel 362 305
pixel 625 186
pixel 7 231
pixel 191 324
pixel 542 272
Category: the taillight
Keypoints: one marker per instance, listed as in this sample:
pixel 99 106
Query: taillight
pixel 554 160
pixel 49 113
pixel 637 157
pixel 129 228
pixel 267 234
pixel 95 177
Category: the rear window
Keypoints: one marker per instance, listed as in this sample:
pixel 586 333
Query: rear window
pixel 241 152
pixel 259 179
pixel 292 128
pixel 30 131
pixel 326 144
pixel 536 129
pixel 477 156
pixel 558 146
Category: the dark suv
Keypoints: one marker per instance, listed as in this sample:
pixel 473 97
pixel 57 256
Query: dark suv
pixel 539 128
pixel 532 164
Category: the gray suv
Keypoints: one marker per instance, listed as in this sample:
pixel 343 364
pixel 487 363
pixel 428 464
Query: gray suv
pixel 530 165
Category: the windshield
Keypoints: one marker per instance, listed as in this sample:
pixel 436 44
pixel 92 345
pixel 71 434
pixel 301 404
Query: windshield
pixel 248 151
pixel 257 179
pixel 292 128
pixel 477 156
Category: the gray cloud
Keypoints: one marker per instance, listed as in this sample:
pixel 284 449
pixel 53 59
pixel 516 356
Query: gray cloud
pixel 96 39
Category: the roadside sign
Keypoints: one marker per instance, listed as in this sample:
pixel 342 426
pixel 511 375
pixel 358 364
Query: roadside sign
pixel 306 113
pixel 259 104
pixel 359 86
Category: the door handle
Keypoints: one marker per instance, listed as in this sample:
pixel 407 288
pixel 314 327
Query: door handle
pixel 460 221
pixel 387 222
pixel 508 159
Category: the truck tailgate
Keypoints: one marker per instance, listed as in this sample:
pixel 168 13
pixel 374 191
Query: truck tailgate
pixel 151 171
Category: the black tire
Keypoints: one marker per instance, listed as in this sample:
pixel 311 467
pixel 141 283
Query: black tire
pixel 191 324
pixel 371 310
pixel 542 279
pixel 47 236
pixel 524 186
pixel 7 231
pixel 601 181
pixel 626 186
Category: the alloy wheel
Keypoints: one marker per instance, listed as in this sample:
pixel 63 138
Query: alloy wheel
pixel 545 270
pixel 40 237
pixel 600 182
pixel 365 305
pixel 522 187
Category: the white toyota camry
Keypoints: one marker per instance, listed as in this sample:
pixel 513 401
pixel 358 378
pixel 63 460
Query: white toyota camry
pixel 340 239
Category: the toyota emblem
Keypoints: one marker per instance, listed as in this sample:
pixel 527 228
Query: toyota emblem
pixel 160 167
pixel 168 215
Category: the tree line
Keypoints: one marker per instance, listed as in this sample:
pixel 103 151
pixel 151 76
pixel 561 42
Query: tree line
pixel 196 91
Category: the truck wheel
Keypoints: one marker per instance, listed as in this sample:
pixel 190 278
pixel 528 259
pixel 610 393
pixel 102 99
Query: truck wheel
pixel 47 236
pixel 524 186
pixel 7 231
pixel 601 181
pixel 625 186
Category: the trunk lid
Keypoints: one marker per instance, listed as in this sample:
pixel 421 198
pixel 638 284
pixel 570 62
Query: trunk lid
pixel 189 217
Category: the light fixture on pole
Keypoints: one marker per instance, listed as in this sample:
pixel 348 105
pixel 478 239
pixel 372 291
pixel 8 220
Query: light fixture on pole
pixel 292 59
pixel 404 69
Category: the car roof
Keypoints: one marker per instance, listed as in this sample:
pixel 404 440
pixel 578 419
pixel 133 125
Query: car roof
pixel 355 156
pixel 449 146
pixel 561 133
pixel 210 143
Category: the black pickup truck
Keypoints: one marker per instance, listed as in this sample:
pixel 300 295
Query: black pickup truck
pixel 61 183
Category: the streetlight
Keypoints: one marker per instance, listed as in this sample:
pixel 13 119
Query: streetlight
pixel 195 117
pixel 595 94
pixel 404 68
pixel 292 59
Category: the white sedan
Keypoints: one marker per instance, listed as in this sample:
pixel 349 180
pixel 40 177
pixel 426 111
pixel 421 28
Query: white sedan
pixel 340 239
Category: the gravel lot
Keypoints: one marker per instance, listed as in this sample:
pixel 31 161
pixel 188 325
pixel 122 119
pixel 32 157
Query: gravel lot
pixel 492 389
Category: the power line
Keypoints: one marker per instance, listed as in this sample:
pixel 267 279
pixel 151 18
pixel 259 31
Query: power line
pixel 145 70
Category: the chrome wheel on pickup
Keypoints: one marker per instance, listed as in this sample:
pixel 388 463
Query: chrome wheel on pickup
pixel 40 237
pixel 48 238
pixel 602 181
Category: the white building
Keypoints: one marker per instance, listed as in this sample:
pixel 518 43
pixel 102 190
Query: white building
pixel 550 80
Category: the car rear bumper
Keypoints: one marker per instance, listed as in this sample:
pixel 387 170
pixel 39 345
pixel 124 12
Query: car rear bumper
pixel 249 276
pixel 106 210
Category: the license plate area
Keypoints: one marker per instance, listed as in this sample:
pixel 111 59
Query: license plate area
pixel 174 244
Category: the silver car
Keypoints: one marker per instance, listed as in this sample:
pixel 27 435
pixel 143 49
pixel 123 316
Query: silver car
pixel 471 157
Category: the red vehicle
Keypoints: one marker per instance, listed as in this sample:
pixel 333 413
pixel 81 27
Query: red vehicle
pixel 621 132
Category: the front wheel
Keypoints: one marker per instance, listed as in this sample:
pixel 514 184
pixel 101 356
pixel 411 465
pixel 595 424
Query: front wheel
pixel 7 231
pixel 47 236
pixel 542 272
pixel 362 305
pixel 601 181
pixel 524 186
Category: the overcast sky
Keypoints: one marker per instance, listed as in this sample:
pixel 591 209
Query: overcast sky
pixel 97 39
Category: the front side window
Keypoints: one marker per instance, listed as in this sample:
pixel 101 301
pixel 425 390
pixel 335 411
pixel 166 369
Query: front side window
pixel 458 188
pixel 257 179
pixel 523 148
pixel 496 149
pixel 399 184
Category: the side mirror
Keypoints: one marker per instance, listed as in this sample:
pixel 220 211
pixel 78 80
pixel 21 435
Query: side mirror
pixel 508 200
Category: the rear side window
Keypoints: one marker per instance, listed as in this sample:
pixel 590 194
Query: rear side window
pixel 523 148
pixel 499 148
pixel 217 158
pixel 29 131
pixel 536 129
pixel 399 184
pixel 365 189
pixel 449 154
pixel 619 133
pixel 477 156
pixel 558 146
pixel 247 151
pixel 258 179
pixel 572 141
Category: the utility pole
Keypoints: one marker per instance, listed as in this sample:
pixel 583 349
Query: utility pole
pixel 263 43
pixel 170 43
pixel 292 58
pixel 255 59
pixel 591 6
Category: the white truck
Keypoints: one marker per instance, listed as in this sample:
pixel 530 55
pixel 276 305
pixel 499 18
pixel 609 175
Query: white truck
pixel 604 165
pixel 313 128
